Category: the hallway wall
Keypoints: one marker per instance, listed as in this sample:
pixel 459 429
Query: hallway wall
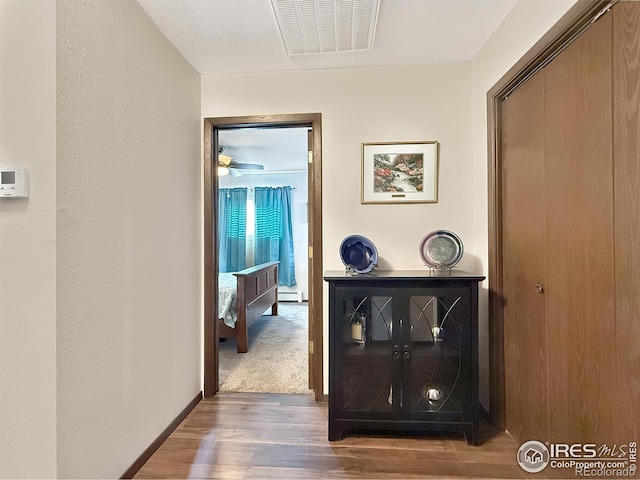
pixel 128 235
pixel 28 241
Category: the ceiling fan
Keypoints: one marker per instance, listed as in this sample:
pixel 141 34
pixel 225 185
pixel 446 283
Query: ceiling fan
pixel 228 166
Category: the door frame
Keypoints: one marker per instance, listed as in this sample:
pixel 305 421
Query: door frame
pixel 210 327
pixel 560 36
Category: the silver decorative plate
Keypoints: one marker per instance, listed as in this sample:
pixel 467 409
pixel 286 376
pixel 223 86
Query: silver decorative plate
pixel 441 249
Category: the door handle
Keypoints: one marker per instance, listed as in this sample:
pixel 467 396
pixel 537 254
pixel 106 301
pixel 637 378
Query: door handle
pixel 539 288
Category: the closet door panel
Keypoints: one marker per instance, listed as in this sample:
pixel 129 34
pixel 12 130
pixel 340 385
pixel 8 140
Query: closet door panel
pixel 523 262
pixel 626 131
pixel 579 288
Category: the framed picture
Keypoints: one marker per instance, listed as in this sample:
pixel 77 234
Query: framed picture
pixel 400 172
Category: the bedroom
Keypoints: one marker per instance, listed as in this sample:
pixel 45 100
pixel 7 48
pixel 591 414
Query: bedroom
pixel 266 172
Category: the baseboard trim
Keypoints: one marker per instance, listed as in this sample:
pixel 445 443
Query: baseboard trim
pixel 150 450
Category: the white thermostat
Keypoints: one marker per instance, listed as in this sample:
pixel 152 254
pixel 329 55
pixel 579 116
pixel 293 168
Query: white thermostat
pixel 14 183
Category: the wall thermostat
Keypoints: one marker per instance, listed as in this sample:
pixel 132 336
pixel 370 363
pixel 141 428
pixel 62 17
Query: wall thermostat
pixel 14 183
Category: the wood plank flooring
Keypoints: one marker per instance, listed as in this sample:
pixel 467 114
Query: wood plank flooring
pixel 269 436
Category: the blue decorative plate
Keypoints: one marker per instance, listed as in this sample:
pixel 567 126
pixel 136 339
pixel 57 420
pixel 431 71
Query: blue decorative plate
pixel 441 249
pixel 359 253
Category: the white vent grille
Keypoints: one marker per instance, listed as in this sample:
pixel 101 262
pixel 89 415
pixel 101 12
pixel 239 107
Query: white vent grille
pixel 323 26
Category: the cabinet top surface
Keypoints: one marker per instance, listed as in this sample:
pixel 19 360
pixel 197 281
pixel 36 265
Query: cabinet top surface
pixel 337 275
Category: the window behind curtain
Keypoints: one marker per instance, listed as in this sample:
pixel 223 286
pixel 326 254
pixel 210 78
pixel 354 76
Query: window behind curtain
pixel 274 231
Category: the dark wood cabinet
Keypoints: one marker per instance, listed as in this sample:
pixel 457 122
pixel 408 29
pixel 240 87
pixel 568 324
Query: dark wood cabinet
pixel 403 352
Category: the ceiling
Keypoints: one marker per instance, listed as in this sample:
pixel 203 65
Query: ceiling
pixel 277 149
pixel 242 36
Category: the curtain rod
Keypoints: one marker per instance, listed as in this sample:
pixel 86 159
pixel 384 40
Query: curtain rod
pixel 252 188
pixel 272 172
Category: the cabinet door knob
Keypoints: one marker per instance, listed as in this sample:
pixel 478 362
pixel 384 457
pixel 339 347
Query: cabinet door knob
pixel 539 288
pixel 407 354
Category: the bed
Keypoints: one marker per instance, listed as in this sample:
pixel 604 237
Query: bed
pixel 243 297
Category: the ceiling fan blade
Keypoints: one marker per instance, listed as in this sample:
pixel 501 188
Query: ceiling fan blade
pixel 246 166
pixel 230 163
pixel 234 173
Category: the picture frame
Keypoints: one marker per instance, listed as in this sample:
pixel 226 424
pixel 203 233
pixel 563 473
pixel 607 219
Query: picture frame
pixel 400 172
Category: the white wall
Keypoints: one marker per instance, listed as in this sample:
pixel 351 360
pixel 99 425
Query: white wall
pixel 525 24
pixel 28 241
pixel 411 103
pixel 128 235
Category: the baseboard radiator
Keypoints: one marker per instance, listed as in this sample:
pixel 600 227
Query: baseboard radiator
pixel 289 296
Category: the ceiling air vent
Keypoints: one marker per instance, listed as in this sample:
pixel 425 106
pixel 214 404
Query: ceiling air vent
pixel 323 26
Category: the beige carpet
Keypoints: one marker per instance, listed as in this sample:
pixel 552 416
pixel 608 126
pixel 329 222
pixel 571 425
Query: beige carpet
pixel 277 358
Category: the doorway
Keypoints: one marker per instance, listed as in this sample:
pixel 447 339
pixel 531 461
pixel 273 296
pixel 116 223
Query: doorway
pixel 212 145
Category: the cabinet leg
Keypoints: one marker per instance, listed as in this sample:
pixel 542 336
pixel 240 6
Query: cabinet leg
pixel 472 435
pixel 335 434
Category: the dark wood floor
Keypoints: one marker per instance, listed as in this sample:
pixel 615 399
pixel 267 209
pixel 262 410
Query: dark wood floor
pixel 251 436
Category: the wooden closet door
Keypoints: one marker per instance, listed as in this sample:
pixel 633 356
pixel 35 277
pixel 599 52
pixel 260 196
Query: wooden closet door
pixel 626 128
pixel 579 288
pixel 523 207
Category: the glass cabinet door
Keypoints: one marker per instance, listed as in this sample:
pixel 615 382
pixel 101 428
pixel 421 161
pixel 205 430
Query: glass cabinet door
pixel 364 337
pixel 436 336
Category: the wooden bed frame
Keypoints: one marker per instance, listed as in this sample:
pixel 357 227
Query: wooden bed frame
pixel 257 291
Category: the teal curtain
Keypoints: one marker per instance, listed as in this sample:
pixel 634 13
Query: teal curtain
pixel 274 231
pixel 232 229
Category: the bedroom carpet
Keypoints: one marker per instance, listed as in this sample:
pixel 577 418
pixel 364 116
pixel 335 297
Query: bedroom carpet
pixel 277 358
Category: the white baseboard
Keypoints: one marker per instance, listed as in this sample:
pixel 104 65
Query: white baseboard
pixel 289 296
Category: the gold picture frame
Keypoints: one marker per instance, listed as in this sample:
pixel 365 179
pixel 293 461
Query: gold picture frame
pixel 400 172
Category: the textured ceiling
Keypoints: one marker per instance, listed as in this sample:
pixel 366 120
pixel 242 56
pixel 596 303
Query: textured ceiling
pixel 277 149
pixel 242 36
